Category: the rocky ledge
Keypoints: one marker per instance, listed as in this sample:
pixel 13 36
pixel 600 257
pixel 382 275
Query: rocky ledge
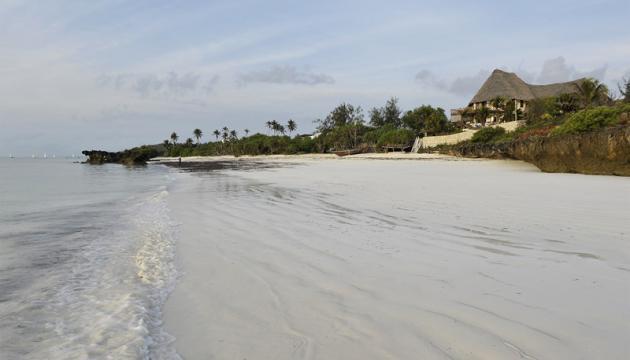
pixel 604 152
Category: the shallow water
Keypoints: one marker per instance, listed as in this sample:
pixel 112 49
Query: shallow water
pixel 85 260
pixel 401 259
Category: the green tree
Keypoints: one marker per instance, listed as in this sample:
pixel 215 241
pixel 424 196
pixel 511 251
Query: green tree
pixel 233 135
pixel 246 131
pixel 592 92
pixel 198 134
pixel 189 142
pixel 425 119
pixel 377 118
pixel 498 105
pixel 481 115
pixel 216 133
pixel 174 137
pixel 341 115
pixel 386 115
pixel 391 112
pixel 275 127
pixel 624 90
pixel 291 126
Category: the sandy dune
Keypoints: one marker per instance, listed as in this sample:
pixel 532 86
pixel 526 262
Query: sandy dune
pixel 401 260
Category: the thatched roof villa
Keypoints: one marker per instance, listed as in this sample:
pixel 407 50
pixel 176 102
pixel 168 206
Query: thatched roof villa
pixel 511 90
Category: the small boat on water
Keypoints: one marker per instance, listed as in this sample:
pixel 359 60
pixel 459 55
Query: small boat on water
pixel 347 152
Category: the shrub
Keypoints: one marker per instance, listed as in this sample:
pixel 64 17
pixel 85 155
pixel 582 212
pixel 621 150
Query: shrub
pixel 396 137
pixel 488 135
pixel 592 119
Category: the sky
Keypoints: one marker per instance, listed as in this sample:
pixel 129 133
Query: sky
pixel 111 74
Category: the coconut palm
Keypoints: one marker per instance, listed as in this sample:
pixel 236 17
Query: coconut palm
pixel 498 103
pixel 233 134
pixel 281 129
pixel 291 126
pixel 189 142
pixel 216 134
pixel 592 92
pixel 482 115
pixel 174 137
pixel 198 134
pixel 269 125
pixel 246 131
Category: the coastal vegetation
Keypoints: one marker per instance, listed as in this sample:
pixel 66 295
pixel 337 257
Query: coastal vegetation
pixel 586 133
pixel 345 127
pixel 593 108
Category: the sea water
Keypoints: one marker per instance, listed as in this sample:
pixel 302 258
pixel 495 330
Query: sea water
pixel 86 260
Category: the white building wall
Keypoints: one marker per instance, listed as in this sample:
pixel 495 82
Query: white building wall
pixel 433 141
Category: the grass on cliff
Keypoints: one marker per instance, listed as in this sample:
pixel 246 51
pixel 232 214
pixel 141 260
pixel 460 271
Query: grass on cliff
pixel 593 119
pixel 587 120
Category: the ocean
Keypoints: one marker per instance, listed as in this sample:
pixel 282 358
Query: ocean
pixel 86 260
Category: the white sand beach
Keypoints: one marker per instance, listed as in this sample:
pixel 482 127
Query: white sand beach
pixel 405 259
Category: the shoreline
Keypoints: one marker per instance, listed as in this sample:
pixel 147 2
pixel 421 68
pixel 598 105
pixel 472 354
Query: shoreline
pixel 314 156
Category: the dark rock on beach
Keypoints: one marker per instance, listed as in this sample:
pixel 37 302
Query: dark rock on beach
pixel 136 156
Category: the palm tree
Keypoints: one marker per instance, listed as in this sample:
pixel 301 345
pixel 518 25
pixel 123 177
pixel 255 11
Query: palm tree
pixel 482 115
pixel 226 133
pixel 274 126
pixel 216 134
pixel 166 143
pixel 246 132
pixel 174 137
pixel 269 124
pixel 281 129
pixel 498 104
pixel 592 92
pixel 233 135
pixel 198 134
pixel 291 126
pixel 189 142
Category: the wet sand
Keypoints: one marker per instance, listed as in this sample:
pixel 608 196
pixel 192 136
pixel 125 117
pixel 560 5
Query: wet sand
pixel 318 259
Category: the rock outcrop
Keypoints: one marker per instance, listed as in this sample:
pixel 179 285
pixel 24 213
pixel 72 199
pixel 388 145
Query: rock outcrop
pixel 604 152
pixel 135 156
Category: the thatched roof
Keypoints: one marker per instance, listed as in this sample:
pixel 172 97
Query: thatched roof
pixel 510 86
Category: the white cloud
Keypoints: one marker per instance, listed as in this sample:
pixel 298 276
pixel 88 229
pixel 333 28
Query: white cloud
pixel 170 84
pixel 426 77
pixel 285 75
pixel 557 70
pixel 467 85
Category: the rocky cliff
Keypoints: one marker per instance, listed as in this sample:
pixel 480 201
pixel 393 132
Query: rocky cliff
pixel 135 156
pixel 604 152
